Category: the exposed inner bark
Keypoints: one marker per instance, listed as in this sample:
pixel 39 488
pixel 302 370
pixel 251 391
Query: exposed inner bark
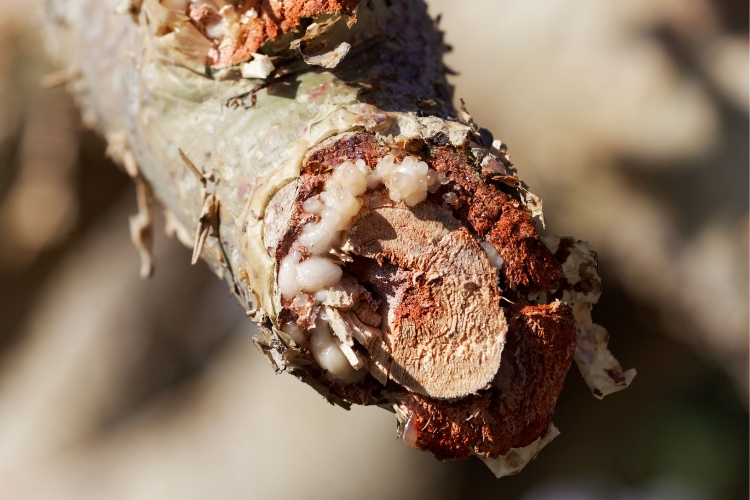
pixel 256 22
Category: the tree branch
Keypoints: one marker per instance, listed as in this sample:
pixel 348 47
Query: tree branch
pixel 382 241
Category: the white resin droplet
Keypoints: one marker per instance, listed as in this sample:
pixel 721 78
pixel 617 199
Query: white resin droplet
pixel 411 433
pixel 288 285
pixel 337 206
pixel 300 299
pixel 350 177
pixel 407 182
pixel 259 67
pixel 317 236
pixel 415 198
pixel 450 198
pixel 330 216
pixel 495 259
pixel 317 273
pixel 326 352
pixel 362 166
pixel 297 334
pixel 432 181
pixel 249 15
pixel 216 30
pixel 312 206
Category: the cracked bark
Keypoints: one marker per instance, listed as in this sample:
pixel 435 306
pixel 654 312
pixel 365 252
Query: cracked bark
pixel 470 357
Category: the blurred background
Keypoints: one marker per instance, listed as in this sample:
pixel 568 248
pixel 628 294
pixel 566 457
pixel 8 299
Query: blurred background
pixel 630 120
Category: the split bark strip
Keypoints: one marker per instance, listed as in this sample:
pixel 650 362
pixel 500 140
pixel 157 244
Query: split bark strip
pixel 141 224
pixel 444 299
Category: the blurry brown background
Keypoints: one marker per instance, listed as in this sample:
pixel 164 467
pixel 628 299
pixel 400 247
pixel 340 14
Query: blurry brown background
pixel 630 120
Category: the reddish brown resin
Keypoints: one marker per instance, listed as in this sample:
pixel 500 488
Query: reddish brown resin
pixel 352 146
pixel 528 262
pixel 490 211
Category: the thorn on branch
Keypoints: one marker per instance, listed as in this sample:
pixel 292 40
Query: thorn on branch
pixel 209 216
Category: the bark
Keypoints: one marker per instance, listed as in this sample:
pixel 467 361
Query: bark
pixel 450 309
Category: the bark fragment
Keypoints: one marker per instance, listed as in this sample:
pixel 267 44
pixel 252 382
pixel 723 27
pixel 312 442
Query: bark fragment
pixel 274 19
pixel 581 287
pixel 142 227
